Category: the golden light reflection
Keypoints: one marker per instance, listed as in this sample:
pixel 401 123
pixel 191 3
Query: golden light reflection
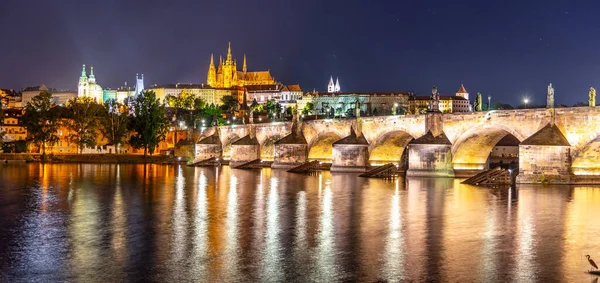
pixel 325 255
pixel 201 222
pixel 525 263
pixel 119 221
pixel 582 238
pixel 179 218
pixel 232 247
pixel 272 263
pixel 394 262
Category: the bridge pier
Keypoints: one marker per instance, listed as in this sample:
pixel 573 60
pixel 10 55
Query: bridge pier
pixel 430 156
pixel 290 151
pixel 244 150
pixel 350 154
pixel 545 157
pixel 209 147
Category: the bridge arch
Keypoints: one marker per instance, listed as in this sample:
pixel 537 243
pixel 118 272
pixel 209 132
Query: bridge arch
pixel 321 147
pixel 389 147
pixel 472 148
pixel 585 161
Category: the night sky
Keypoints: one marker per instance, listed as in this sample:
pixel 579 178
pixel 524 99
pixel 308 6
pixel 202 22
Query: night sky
pixel 507 49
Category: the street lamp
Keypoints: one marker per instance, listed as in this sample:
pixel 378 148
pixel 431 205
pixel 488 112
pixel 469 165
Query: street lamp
pixel 395 108
pixel 525 101
pixel 489 102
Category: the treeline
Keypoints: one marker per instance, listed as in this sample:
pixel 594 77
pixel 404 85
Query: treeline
pixel 84 120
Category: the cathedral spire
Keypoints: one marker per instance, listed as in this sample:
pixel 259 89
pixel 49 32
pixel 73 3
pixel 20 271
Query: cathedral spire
pixel 212 61
pixel 228 60
pixel 244 67
pixel 330 85
pixel 337 84
pixel 83 74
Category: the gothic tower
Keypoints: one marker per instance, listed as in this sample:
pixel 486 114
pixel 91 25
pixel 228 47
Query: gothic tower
pixel 227 69
pixel 331 85
pixel 139 85
pixel 211 79
pixel 337 85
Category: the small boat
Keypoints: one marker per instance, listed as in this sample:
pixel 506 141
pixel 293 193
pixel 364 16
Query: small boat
pixel 594 272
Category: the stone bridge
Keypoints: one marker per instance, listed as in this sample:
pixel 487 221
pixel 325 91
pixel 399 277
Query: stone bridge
pixel 471 137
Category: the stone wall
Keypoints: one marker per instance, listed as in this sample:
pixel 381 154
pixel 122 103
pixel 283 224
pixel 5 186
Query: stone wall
pixel 206 151
pixel 544 164
pixel 350 158
pixel 430 160
pixel 289 155
pixel 244 153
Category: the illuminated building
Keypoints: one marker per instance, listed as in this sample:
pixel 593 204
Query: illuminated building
pixel 12 127
pixel 29 92
pixel 88 87
pixel 227 74
pixel 331 87
pixel 209 94
pixel 370 103
pixel 447 103
pixel 124 92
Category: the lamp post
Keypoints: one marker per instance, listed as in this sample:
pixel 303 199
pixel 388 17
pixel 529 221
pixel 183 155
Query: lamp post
pixel 489 102
pixel 525 101
pixel 395 108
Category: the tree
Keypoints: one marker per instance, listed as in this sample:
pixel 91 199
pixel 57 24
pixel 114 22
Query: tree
pixel 199 103
pixel 83 123
pixel 2 133
pixel 41 121
pixel 114 122
pixel 230 104
pixel 148 122
pixel 308 108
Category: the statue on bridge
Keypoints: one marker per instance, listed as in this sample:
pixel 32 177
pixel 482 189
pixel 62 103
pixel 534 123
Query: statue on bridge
pixel 592 97
pixel 550 97
pixel 478 103
pixel 434 102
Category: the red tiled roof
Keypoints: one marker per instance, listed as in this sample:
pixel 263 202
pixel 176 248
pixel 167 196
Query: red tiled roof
pixel 462 89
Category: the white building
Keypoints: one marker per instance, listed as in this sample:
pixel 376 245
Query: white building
pixel 88 87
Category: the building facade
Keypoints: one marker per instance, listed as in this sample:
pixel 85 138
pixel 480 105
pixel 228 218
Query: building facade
pixel 344 103
pixel 447 103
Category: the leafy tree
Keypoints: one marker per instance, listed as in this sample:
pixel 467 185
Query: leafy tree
pixel 41 120
pixel 199 103
pixel 83 123
pixel 114 122
pixel 309 107
pixel 210 113
pixel 230 104
pixel 148 122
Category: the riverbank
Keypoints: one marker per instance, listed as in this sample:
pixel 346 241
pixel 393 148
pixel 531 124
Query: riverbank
pixel 90 158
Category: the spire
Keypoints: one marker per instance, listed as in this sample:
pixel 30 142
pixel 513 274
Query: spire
pixel 83 74
pixel 330 85
pixel 92 78
pixel 228 60
pixel 212 63
pixel 462 89
pixel 244 67
pixel 337 84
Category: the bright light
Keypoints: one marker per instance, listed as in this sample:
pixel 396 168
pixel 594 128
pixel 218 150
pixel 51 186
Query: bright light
pixel 395 104
pixel 525 100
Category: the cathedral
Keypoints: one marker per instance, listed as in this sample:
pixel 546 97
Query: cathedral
pixel 227 74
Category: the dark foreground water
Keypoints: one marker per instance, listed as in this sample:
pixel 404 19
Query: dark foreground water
pixel 113 223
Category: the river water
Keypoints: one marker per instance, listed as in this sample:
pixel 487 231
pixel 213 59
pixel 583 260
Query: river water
pixel 170 223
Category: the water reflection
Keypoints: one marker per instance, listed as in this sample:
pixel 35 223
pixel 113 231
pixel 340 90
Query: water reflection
pixel 86 222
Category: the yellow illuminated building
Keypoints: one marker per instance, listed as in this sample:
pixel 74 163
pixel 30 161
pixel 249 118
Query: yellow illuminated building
pixel 227 74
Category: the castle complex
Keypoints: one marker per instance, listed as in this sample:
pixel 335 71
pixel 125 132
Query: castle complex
pixel 227 74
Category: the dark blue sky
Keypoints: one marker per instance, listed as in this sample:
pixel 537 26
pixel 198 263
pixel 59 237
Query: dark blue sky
pixel 508 49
